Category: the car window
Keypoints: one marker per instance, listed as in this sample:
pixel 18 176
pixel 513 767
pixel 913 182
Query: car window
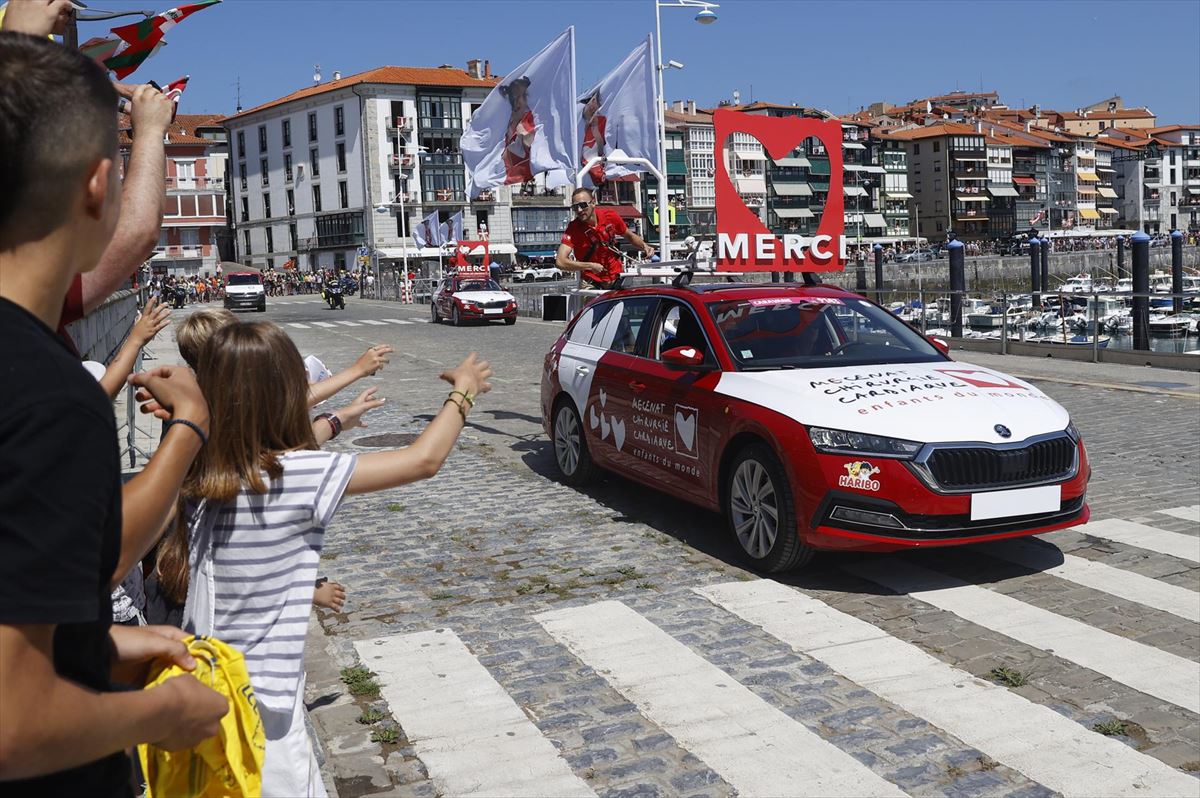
pixel 677 325
pixel 244 279
pixel 816 332
pixel 585 325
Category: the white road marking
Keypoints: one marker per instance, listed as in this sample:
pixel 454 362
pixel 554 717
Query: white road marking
pixel 1191 513
pixel 1098 576
pixel 324 324
pixel 374 321
pixel 298 325
pixel 752 745
pixel 1185 547
pixel 350 323
pixel 397 321
pixel 471 736
pixel 1035 740
pixel 1142 667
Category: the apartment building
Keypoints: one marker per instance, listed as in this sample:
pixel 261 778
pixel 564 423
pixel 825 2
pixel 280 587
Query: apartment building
pixel 195 232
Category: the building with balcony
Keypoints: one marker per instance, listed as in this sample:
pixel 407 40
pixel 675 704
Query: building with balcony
pixel 948 177
pixel 1105 193
pixel 195 234
pixel 894 196
pixel 309 170
pixel 1179 207
pixel 1156 177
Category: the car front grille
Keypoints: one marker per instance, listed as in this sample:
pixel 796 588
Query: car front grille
pixel 498 303
pixel 984 467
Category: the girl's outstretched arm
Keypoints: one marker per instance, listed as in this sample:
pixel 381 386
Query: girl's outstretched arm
pixel 381 470
pixel 367 364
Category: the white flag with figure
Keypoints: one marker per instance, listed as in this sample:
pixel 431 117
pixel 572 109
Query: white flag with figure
pixel 618 113
pixel 527 125
pixel 452 229
pixel 428 232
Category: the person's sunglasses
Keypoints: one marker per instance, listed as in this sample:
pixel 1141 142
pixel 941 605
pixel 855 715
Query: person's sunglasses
pixel 580 206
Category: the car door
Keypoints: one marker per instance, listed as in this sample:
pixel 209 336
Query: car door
pixel 578 361
pixel 678 407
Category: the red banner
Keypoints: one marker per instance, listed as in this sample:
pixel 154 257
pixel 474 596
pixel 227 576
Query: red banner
pixel 743 242
pixel 471 259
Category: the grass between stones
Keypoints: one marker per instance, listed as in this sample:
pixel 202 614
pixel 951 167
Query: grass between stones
pixel 1010 677
pixel 360 681
pixel 1111 728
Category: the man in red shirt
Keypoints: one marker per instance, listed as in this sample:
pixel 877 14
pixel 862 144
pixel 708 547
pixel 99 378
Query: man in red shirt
pixel 589 243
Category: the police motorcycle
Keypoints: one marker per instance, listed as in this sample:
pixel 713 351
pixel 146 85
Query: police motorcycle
pixel 334 295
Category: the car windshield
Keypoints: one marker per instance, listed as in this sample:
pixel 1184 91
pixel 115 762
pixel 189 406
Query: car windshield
pixel 479 285
pixel 816 332
pixel 244 279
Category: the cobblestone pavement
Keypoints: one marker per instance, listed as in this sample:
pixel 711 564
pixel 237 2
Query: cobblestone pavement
pixel 501 557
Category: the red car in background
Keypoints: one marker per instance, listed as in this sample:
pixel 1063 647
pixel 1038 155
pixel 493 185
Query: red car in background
pixel 811 418
pixel 462 299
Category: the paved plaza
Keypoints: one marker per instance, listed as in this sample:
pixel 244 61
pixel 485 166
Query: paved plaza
pixel 526 638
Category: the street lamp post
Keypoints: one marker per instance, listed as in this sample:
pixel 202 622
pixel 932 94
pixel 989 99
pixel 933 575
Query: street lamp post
pixel 705 16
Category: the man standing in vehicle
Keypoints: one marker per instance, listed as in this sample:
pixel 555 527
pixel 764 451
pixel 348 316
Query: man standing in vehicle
pixel 589 243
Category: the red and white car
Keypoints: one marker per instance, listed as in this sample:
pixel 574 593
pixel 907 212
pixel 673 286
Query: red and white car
pixel 811 418
pixel 462 299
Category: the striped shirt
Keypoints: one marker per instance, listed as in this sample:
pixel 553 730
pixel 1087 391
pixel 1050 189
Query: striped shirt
pixel 265 549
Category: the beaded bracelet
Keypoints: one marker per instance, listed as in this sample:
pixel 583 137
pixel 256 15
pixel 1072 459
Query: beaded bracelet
pixel 466 397
pixel 190 424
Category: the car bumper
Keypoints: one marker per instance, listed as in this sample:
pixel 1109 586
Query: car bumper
pixel 477 315
pixel 236 302
pixel 903 512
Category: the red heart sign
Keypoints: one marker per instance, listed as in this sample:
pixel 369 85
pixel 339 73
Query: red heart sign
pixel 743 242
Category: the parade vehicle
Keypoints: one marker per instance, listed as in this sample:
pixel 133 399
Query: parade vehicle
pixel 245 291
pixel 529 274
pixel 463 299
pixel 810 417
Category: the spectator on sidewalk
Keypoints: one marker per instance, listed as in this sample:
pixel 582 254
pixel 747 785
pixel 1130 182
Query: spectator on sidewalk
pixel 274 492
pixel 67 537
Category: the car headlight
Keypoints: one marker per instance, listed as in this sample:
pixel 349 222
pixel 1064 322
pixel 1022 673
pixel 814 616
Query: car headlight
pixel 1073 431
pixel 836 441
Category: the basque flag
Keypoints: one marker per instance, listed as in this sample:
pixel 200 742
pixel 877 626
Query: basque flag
pixel 527 125
pixel 140 40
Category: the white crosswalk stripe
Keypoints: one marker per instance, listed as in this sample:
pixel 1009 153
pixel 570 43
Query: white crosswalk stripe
pixel 397 321
pixel 1185 547
pixel 755 747
pixel 1190 513
pixel 471 736
pixel 298 325
pixel 350 323
pixel 1115 581
pixel 324 324
pixel 1028 737
pixel 1145 668
pixel 374 321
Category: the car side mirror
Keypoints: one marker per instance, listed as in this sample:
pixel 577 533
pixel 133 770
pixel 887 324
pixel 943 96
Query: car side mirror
pixel 940 344
pixel 683 357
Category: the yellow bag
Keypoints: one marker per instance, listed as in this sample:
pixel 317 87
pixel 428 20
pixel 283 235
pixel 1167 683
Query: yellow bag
pixel 228 765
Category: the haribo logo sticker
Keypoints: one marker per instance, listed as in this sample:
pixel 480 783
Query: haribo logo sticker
pixel 858 476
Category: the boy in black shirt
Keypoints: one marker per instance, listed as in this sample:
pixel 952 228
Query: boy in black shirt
pixel 64 539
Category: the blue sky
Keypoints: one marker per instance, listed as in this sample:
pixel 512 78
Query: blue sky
pixel 832 55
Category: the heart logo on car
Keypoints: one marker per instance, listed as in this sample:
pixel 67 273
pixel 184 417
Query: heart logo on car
pixel 686 427
pixel 603 398
pixel 618 429
pixel 595 421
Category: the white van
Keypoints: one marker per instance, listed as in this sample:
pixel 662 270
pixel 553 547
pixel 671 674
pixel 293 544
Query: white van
pixel 244 290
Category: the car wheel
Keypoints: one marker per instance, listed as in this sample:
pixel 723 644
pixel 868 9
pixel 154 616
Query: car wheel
pixel 510 322
pixel 570 448
pixel 455 318
pixel 433 314
pixel 761 512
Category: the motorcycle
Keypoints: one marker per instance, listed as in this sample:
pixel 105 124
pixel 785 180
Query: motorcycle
pixel 333 295
pixel 177 296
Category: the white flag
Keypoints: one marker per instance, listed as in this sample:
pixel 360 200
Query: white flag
pixel 428 232
pixel 618 112
pixel 452 229
pixel 527 125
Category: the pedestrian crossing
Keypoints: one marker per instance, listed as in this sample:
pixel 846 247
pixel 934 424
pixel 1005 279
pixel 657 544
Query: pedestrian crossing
pixel 1143 536
pixel 474 738
pixel 299 325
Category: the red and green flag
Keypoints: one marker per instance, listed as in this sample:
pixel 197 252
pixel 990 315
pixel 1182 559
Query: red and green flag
pixel 140 40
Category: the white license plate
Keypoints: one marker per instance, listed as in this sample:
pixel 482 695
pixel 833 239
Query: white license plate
pixel 493 310
pixel 1022 501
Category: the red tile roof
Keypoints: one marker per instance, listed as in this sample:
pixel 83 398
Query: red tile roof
pixel 182 130
pixel 396 75
pixel 933 131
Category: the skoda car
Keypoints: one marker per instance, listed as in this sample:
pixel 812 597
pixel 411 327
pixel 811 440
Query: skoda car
pixel 461 299
pixel 811 418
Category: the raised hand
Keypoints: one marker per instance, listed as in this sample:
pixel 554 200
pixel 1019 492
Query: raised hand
pixel 373 360
pixel 351 415
pixel 470 376
pixel 154 317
